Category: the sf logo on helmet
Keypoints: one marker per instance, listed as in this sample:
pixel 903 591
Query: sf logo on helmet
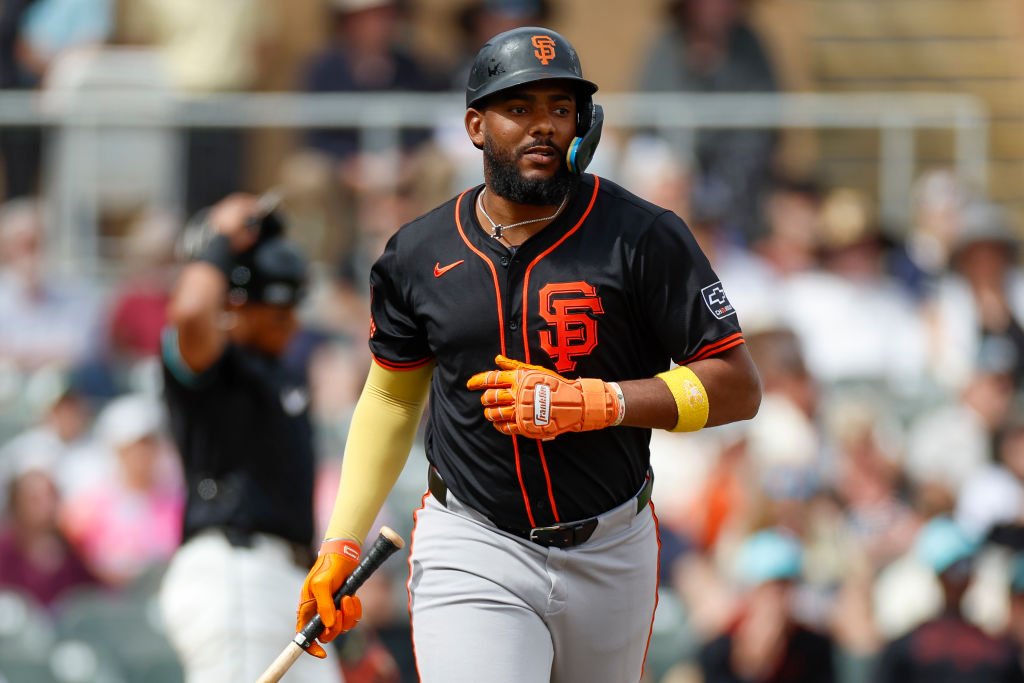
pixel 545 51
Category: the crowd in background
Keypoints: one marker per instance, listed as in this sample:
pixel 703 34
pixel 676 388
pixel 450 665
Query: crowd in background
pixel 865 526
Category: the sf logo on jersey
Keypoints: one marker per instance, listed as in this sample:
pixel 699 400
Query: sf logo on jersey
pixel 569 307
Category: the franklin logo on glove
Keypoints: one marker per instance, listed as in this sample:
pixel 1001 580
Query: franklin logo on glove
pixel 541 404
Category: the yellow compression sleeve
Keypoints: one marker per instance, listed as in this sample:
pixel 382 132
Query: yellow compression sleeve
pixel 379 439
pixel 691 398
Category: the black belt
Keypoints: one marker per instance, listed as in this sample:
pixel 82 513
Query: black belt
pixel 555 536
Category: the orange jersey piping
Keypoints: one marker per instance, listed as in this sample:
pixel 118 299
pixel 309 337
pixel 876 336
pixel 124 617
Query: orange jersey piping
pixel 526 341
pixel 716 347
pixel 501 332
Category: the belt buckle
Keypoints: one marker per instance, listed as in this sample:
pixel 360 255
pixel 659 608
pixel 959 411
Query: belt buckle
pixel 544 534
pixel 558 534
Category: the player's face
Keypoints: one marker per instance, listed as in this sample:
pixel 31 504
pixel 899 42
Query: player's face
pixel 266 328
pixel 525 134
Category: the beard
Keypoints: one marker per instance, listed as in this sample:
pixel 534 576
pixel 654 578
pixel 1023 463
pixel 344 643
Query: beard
pixel 505 180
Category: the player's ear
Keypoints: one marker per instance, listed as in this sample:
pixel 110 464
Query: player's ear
pixel 475 127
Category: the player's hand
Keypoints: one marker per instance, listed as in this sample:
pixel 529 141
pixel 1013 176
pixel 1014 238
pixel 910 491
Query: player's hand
pixel 338 557
pixel 233 218
pixel 541 404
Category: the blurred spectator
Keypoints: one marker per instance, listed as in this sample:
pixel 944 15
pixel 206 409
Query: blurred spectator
pixel 34 554
pixel 765 643
pixel 60 444
pixel 44 319
pixel 364 655
pixel 51 28
pixel 132 520
pixel 709 47
pixel 750 281
pixel 937 200
pixel 375 185
pixel 868 479
pixel 982 296
pixel 649 164
pixel 791 214
pixel 208 47
pixel 857 324
pixel 19 147
pixel 948 647
pixel 138 303
pixel 33 34
pixel 949 443
pixel 991 502
pixel 1015 623
pixel 478 20
pixel 365 55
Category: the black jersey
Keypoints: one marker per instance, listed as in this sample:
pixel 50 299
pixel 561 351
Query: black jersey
pixel 243 430
pixel 614 288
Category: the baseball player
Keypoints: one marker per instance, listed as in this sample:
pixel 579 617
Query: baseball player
pixel 239 416
pixel 541 311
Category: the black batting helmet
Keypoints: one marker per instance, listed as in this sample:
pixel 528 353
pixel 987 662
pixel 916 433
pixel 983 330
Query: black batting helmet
pixel 524 55
pixel 273 271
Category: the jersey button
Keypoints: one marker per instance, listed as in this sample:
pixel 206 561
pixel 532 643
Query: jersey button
pixel 513 325
pixel 504 260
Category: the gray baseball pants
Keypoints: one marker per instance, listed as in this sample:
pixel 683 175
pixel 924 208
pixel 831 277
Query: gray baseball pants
pixel 489 606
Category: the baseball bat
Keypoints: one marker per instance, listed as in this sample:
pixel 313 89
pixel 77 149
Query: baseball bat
pixel 386 544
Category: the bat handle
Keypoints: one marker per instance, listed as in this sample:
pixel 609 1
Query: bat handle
pixel 386 544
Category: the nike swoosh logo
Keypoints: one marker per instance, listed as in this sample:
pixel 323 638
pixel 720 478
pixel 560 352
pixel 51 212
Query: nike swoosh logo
pixel 439 271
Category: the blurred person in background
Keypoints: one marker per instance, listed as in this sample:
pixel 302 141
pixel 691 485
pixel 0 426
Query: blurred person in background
pixel 208 47
pixel 368 653
pixel 130 521
pixel 938 197
pixel 240 418
pixel 752 282
pixel 952 441
pixel 709 47
pixel 138 302
pixel 765 643
pixel 379 187
pixel 948 647
pixel 857 325
pixel 365 53
pixel 53 28
pixel 33 34
pixel 990 504
pixel 60 441
pixel 866 475
pixel 478 20
pixel 981 296
pixel 19 146
pixel 1015 621
pixel 45 317
pixel 35 555
pixel 791 214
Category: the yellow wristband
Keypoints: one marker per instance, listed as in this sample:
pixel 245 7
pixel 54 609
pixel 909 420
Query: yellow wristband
pixel 691 398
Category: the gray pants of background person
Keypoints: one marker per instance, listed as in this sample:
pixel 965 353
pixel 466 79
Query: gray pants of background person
pixel 488 606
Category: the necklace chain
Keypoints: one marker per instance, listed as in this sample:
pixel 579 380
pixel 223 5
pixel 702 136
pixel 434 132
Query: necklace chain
pixel 498 228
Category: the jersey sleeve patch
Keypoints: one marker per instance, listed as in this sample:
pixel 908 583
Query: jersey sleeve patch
pixel 716 301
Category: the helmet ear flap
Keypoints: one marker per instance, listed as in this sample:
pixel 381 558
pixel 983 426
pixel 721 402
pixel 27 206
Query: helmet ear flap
pixel 588 134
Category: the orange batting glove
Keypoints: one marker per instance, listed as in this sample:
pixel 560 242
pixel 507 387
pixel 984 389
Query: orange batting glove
pixel 541 404
pixel 338 557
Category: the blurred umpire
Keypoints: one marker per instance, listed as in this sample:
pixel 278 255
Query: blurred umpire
pixel 239 415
